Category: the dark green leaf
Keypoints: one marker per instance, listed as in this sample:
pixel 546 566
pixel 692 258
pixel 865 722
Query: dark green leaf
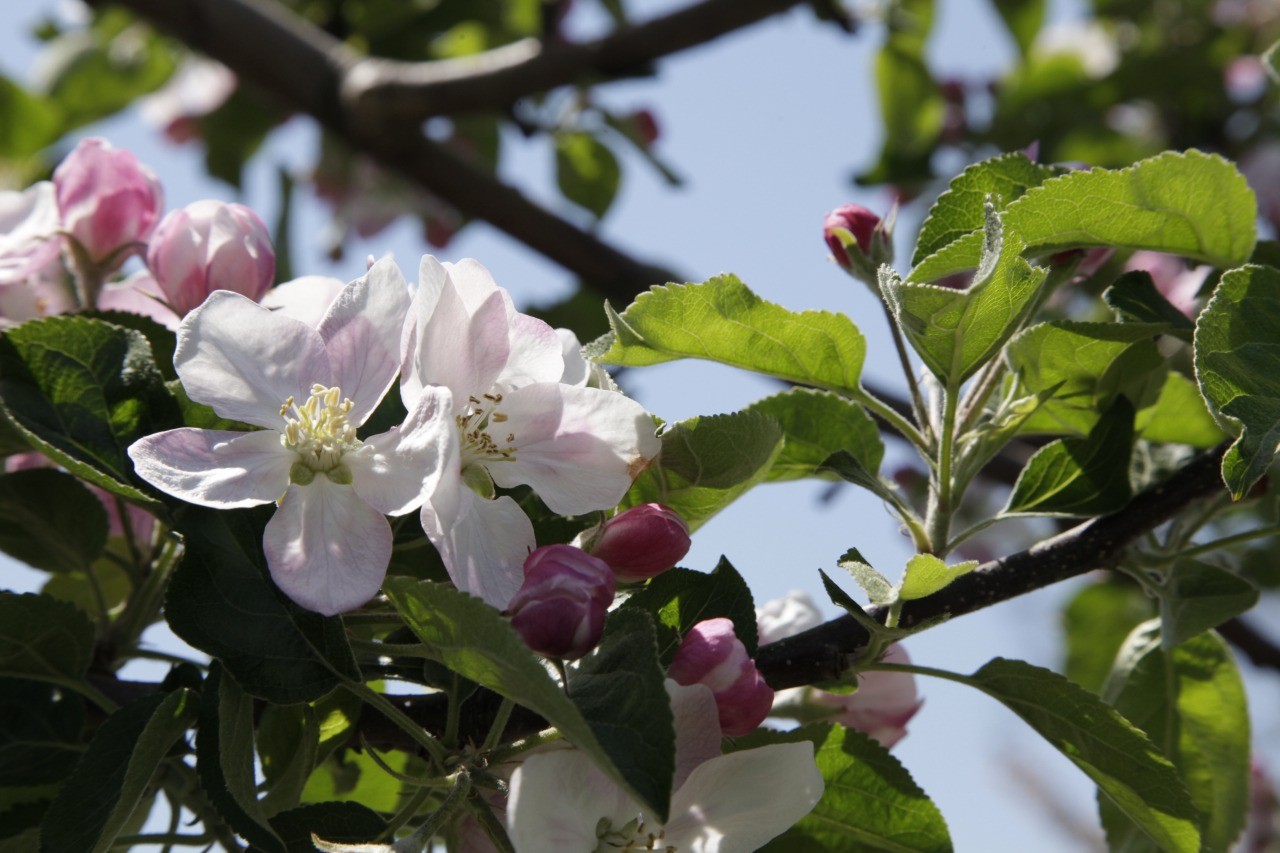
pixel 1135 298
pixel 163 340
pixel 1024 19
pixel 221 601
pixel 234 131
pixel 49 520
pixel 93 73
pixel 97 800
pixel 842 599
pixel 40 730
pixel 816 424
pixel 680 598
pixel 42 638
pixel 1199 597
pixel 288 743
pixel 1096 621
pixel 343 822
pixel 845 466
pixel 587 172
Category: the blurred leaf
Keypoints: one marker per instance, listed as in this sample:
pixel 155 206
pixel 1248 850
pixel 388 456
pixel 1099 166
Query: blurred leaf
pixel 50 521
pixel 351 775
pixel 473 639
pixel 40 730
pixel 870 801
pixel 28 123
pixel 1199 597
pixel 1179 416
pixel 926 574
pixel 93 73
pixel 678 599
pixel 721 320
pixel 1079 477
pixel 1135 298
pixel 42 638
pixel 1097 620
pixel 1191 702
pixel 234 132
pixel 816 424
pixel 911 107
pixel 221 601
pixel 81 391
pixel 583 313
pixel 1237 352
pixel 587 172
pixel 707 463
pixel 96 802
pixel 1024 19
pixel 342 822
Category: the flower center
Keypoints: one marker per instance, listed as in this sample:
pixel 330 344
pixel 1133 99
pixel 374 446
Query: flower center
pixel 319 433
pixel 630 838
pixel 474 426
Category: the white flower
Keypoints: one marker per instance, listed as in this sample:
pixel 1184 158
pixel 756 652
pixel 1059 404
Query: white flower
pixel 1088 41
pixel 309 388
pixel 562 803
pixel 579 448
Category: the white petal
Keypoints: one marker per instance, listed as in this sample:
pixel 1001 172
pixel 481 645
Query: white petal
pixel 361 332
pixel 558 798
pixel 579 448
pixel 735 803
pixel 306 299
pixel 475 284
pixel 327 549
pixel 697 724
pixel 536 354
pixel 461 350
pixel 483 543
pixel 215 468
pixel 245 361
pixel 393 470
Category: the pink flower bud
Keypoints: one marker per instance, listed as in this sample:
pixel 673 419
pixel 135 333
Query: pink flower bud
pixel 559 610
pixel 712 654
pixel 108 201
pixel 642 542
pixel 871 244
pixel 208 246
pixel 645 127
pixel 883 704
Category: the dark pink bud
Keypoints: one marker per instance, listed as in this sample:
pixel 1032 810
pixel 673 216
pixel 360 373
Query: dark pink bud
pixel 645 126
pixel 208 246
pixel 107 200
pixel 560 608
pixel 855 219
pixel 712 654
pixel 642 542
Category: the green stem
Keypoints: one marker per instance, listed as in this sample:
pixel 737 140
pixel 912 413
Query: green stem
pixel 976 399
pixel 166 838
pixel 917 399
pixel 144 607
pixel 890 416
pixel 453 800
pixel 499 724
pixel 480 810
pixel 970 532
pixel 1228 541
pixel 84 688
pixel 453 712
pixel 511 750
pixel 406 814
pixel 419 735
pixel 938 519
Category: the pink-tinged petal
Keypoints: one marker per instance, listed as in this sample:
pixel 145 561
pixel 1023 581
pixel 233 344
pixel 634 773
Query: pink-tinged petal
pixel 28 232
pixel 536 354
pixel 735 803
pixel 393 470
pixel 306 299
pixel 138 294
pixel 245 361
pixel 215 468
pixel 696 724
pixel 579 448
pixel 327 549
pixel 483 543
pixel 475 284
pixel 882 705
pixel 460 350
pixel 361 332
pixel 558 799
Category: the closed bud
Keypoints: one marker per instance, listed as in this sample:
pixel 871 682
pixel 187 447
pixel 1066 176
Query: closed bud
pixel 882 705
pixel 559 610
pixel 107 200
pixel 642 542
pixel 859 240
pixel 208 246
pixel 712 655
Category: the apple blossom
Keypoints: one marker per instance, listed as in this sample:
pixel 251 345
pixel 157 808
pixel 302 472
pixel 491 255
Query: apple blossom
pixel 579 448
pixel 559 610
pixel 309 388
pixel 859 241
pixel 711 654
pixel 207 246
pixel 641 542
pixel 108 202
pixel 28 225
pixel 562 803
pixel 1171 276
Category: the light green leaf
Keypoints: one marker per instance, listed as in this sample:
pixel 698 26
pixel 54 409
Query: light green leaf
pixel 49 520
pixel 1135 298
pixel 1199 597
pixel 587 172
pixel 472 639
pixel 1196 712
pixel 926 574
pixel 1075 477
pixel 99 797
pixel 42 638
pixel 1096 622
pixel 1126 766
pixel 28 123
pixel 721 320
pixel 874 584
pixel 870 801
pixel 351 775
pixel 1179 416
pixel 1237 352
pixel 707 463
pixel 678 599
pixel 1271 62
pixel 816 424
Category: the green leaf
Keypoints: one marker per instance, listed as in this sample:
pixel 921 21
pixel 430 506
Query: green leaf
pixel 955 332
pixel 959 211
pixel 351 775
pixel 234 132
pixel 97 800
pixel 28 123
pixel 1134 297
pixel 1097 621
pixel 221 601
pixel 50 521
pixel 587 172
pixel 1185 203
pixel 225 759
pixel 1199 597
pixel 351 823
pixel 81 391
pixel 678 599
pixel 707 463
pixel 816 424
pixel 844 601
pixel 870 801
pixel 40 730
pixel 721 320
pixel 1237 352
pixel 1075 477
pixel 1024 19
pixel 874 584
pixel 163 340
pixel 43 639
pixel 1179 416
pixel 926 574
pixel 845 466
pixel 1126 766
pixel 1271 62
pixel 1086 365
pixel 288 744
pixel 1191 702
pixel 472 639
